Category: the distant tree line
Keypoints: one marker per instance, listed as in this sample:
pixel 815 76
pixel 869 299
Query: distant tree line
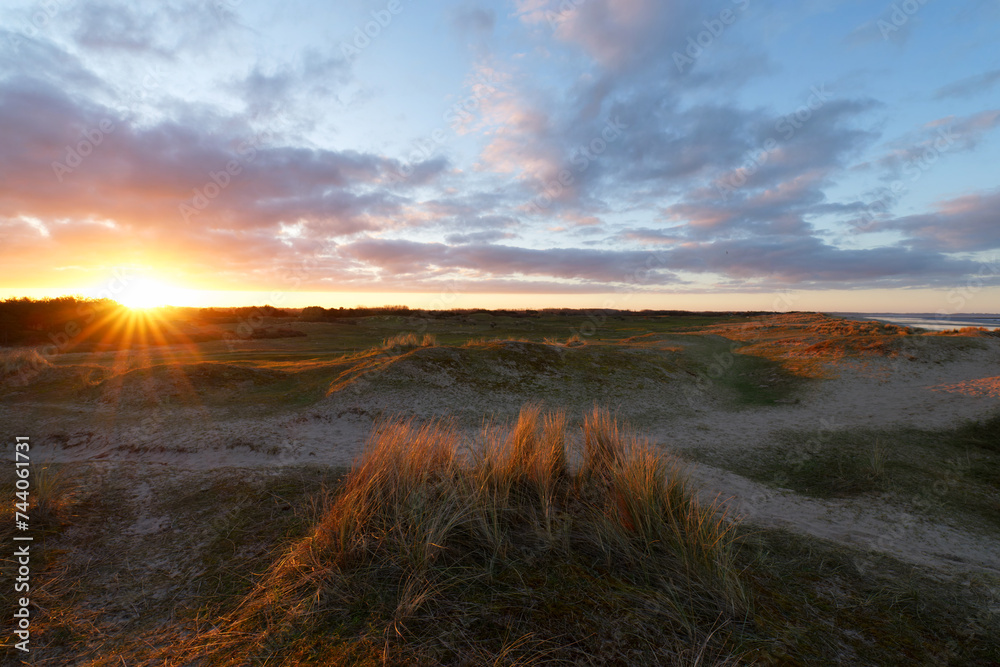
pixel 56 321
pixel 27 321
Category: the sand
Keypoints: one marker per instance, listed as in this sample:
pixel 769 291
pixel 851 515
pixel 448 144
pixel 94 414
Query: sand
pixel 929 389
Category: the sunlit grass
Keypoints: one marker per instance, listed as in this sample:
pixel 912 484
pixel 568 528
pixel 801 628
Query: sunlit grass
pixel 434 537
pixel 21 362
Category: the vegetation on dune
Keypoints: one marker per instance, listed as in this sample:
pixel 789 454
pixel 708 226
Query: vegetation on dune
pixel 408 340
pixel 967 331
pixel 954 474
pixel 24 362
pixel 526 548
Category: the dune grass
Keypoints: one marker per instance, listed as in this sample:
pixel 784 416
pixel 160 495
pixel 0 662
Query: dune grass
pixel 21 362
pixel 408 340
pixel 528 546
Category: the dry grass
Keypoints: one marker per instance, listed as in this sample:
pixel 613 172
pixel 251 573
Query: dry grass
pixel 972 332
pixel 438 550
pixel 807 344
pixel 496 340
pixel 53 491
pixel 21 362
pixel 407 340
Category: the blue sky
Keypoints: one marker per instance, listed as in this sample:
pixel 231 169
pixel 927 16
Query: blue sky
pixel 830 155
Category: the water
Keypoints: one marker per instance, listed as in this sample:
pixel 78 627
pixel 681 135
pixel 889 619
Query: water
pixel 931 321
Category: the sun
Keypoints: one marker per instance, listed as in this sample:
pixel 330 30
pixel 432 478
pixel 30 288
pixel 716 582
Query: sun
pixel 149 293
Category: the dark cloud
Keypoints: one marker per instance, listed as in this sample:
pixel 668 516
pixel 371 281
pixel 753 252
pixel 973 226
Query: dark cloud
pixel 488 236
pixel 806 261
pixel 278 89
pixel 803 261
pixel 408 258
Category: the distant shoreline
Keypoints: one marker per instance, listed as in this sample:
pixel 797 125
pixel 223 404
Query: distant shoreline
pixel 931 321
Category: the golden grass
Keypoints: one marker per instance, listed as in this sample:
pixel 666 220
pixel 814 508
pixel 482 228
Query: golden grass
pixel 21 362
pixel 806 344
pixel 409 340
pixel 437 536
pixel 972 332
pixel 53 491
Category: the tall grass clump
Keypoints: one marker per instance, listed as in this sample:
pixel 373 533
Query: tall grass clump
pixel 522 545
pixel 21 362
pixel 409 340
pixel 53 492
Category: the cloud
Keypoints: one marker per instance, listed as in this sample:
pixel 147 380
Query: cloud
pixel 806 261
pixel 663 177
pixel 963 224
pixel 47 62
pixel 800 260
pixel 892 26
pixel 969 86
pixel 98 182
pixel 474 20
pixel 161 30
pixel 916 151
pixel 276 90
pixel 487 236
pixel 401 258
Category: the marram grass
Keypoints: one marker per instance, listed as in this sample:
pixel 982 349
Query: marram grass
pixel 529 545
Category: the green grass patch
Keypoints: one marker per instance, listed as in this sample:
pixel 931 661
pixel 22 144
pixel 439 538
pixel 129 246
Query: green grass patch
pixel 819 603
pixel 952 473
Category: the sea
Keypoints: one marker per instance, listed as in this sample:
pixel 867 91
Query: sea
pixel 931 321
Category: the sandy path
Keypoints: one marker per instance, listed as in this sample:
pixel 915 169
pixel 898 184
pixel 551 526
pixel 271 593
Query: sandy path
pixel 880 393
pixel 926 392
pixel 881 527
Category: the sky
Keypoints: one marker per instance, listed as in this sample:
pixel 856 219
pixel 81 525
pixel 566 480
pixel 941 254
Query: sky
pixel 722 155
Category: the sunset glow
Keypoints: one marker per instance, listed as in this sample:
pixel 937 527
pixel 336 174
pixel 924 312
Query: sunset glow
pixel 144 293
pixel 534 152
